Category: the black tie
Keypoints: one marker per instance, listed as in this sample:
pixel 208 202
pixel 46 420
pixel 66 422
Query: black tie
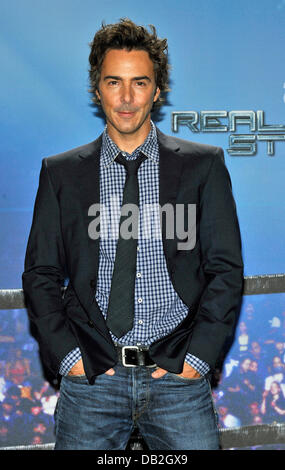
pixel 120 314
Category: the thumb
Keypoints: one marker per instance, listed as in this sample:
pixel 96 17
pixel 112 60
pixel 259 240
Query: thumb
pixel 159 373
pixel 110 372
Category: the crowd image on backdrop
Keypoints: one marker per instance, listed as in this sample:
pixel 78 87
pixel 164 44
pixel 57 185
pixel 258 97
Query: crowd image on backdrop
pixel 250 388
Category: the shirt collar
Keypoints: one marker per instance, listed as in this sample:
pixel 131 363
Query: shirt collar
pixel 110 150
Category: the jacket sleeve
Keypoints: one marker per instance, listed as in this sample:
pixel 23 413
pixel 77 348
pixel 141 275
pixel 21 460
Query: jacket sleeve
pixel 222 265
pixel 43 277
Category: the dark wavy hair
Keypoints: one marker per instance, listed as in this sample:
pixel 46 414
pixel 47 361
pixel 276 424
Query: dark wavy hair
pixel 127 35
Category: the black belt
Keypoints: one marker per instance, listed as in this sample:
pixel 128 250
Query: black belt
pixel 134 356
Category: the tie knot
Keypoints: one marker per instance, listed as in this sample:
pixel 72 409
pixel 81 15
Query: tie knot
pixel 131 166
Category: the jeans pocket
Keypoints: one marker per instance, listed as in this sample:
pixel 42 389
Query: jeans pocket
pixel 80 379
pixel 179 378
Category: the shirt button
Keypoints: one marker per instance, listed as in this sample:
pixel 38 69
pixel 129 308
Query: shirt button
pixel 138 248
pixel 140 322
pixel 139 275
pixel 140 300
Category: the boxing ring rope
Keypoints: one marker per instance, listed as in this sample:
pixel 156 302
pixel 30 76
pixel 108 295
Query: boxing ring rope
pixel 237 438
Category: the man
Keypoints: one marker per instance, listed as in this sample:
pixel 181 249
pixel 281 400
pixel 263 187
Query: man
pixel 277 374
pixel 143 321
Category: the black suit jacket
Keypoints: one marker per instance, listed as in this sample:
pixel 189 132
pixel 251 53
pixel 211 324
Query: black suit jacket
pixel 208 278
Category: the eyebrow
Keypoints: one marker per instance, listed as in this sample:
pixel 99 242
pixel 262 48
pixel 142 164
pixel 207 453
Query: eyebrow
pixel 115 77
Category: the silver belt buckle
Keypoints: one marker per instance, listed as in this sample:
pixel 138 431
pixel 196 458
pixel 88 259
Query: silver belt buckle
pixel 124 355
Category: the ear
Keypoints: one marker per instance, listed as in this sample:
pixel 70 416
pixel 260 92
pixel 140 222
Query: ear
pixel 156 95
pixel 98 95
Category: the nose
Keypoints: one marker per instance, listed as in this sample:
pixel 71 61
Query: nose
pixel 126 93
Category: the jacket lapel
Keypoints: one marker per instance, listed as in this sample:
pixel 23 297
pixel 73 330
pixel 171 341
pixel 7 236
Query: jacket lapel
pixel 88 179
pixel 171 164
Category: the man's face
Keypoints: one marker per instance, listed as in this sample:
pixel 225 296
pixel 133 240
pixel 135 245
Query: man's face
pixel 279 346
pixel 253 366
pixel 274 388
pixel 246 364
pixel 254 409
pixel 277 364
pixel 127 90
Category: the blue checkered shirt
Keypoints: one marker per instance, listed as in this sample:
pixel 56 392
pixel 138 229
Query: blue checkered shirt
pixel 157 307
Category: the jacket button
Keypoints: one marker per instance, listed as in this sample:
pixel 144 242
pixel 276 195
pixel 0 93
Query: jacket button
pixel 92 283
pixel 91 323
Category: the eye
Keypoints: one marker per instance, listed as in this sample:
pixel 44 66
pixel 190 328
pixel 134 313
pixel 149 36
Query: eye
pixel 113 82
pixel 141 84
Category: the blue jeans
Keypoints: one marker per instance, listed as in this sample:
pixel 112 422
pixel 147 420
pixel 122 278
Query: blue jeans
pixel 171 413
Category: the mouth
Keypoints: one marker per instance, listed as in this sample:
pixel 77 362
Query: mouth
pixel 126 114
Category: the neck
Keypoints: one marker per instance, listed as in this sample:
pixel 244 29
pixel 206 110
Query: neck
pixel 129 142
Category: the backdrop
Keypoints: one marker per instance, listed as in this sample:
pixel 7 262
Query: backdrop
pixel 225 57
